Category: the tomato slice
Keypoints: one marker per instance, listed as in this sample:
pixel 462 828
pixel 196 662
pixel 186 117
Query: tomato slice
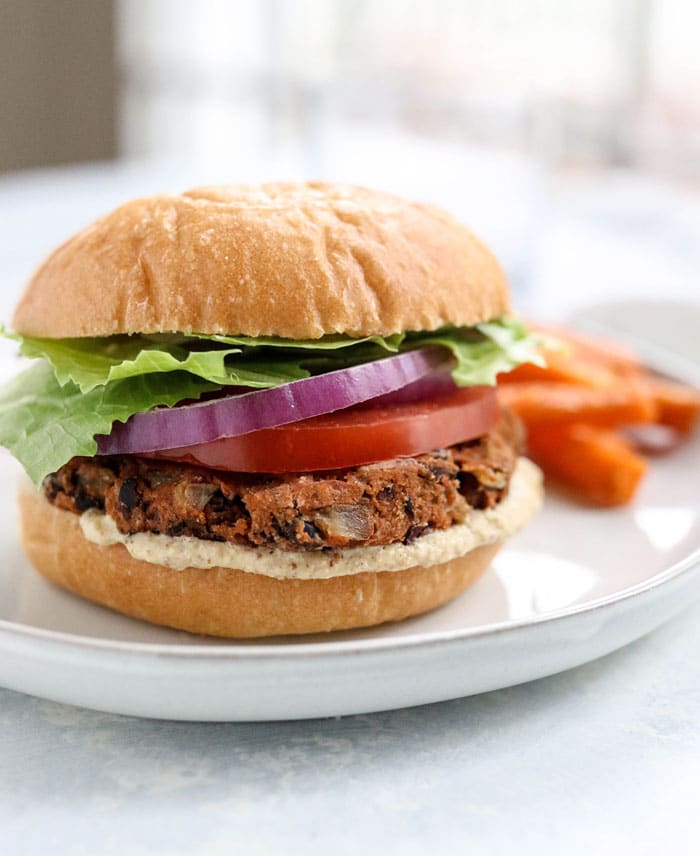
pixel 349 438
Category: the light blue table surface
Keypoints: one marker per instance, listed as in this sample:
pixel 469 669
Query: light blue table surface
pixel 604 759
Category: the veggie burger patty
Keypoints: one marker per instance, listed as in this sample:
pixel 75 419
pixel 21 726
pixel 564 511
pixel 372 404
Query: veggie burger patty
pixel 382 503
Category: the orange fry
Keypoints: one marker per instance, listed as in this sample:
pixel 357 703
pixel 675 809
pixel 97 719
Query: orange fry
pixel 678 406
pixel 562 403
pixel 598 464
pixel 615 357
pixel 562 368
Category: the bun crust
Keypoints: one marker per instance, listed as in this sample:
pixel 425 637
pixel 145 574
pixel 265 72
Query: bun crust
pixel 291 260
pixel 231 603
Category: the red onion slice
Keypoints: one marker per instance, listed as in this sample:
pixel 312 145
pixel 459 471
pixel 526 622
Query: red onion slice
pixel 232 416
pixel 428 388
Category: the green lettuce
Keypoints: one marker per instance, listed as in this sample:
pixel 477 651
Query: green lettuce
pixel 45 424
pixel 485 351
pixel 481 352
pixel 78 388
pixel 89 363
pixel 325 343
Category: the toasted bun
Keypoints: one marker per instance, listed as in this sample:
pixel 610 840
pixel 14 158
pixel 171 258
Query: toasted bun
pixel 226 602
pixel 290 260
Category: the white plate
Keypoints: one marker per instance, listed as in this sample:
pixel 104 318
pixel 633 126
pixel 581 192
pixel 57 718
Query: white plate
pixel 575 585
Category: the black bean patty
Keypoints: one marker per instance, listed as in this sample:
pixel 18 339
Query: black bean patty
pixel 383 503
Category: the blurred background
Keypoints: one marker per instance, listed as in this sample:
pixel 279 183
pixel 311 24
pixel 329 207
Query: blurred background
pixel 566 133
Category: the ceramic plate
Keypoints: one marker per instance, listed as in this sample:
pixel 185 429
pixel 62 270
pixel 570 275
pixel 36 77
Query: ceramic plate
pixel 575 585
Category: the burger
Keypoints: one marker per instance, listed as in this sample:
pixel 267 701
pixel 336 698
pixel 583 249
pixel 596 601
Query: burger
pixel 256 411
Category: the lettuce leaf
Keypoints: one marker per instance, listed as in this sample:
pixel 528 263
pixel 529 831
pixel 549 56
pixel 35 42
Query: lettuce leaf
pixel 325 343
pixel 79 387
pixel 89 363
pixel 45 424
pixel 481 353
pixel 502 345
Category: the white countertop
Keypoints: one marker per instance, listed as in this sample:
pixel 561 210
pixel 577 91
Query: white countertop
pixel 605 758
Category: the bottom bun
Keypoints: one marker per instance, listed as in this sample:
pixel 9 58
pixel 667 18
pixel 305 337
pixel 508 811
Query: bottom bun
pixel 228 602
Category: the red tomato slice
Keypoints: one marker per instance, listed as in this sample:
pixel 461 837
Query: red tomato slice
pixel 349 438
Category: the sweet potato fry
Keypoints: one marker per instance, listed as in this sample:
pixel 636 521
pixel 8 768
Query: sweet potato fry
pixel 598 464
pixel 562 368
pixel 571 406
pixel 562 403
pixel 615 357
pixel 678 406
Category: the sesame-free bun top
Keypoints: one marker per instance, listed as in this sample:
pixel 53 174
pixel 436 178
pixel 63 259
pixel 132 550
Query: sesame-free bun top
pixel 292 260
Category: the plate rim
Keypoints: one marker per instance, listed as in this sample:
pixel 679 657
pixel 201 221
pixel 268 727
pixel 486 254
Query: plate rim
pixel 329 648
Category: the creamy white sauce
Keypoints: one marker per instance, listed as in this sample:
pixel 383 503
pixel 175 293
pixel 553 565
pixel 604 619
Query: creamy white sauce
pixel 481 527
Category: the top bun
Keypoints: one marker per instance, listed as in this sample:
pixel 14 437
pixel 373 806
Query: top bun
pixel 297 260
